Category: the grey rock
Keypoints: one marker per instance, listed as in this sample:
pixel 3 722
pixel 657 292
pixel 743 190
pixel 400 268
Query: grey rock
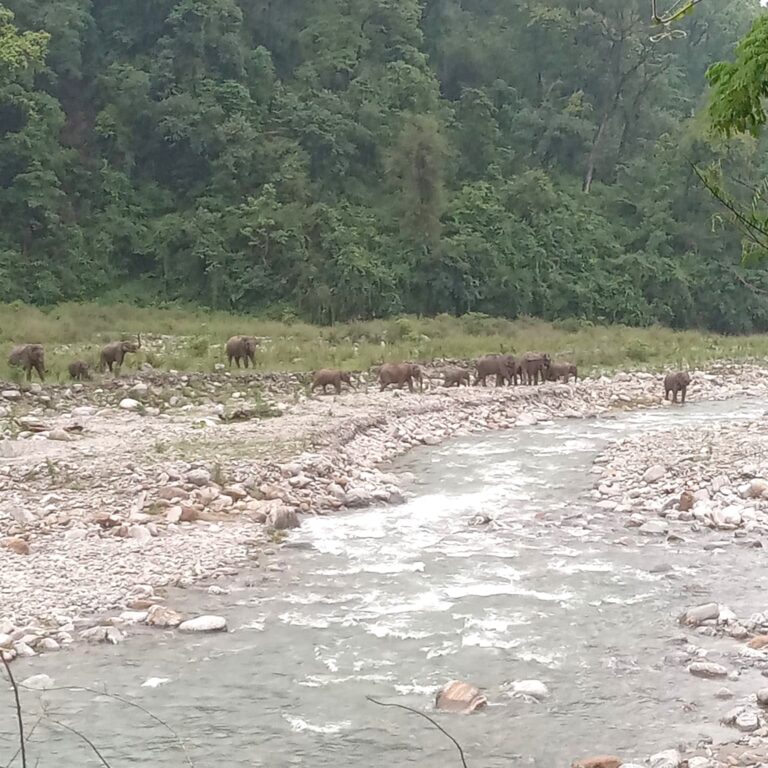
pixel 701 613
pixel 655 473
pixel 199 477
pixel 707 669
pixel 204 624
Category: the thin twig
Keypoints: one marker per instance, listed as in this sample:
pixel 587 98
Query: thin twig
pixel 84 738
pixel 27 738
pixel 19 717
pixel 426 717
pixel 130 703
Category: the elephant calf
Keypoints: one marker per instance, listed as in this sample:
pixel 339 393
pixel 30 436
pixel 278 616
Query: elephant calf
pixel 455 377
pixel 562 371
pixel 333 376
pixel 400 373
pixel 674 383
pixel 28 357
pixel 79 370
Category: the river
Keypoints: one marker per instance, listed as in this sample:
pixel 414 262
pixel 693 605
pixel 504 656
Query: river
pixel 394 602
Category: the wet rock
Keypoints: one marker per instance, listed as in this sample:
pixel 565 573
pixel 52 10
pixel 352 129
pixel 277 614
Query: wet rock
pixel 37 683
pixel 654 474
pixel 686 502
pixel 463 698
pixel 701 613
pixel 533 688
pixel 17 545
pixel 204 624
pixel 600 761
pixel 669 758
pixel 283 518
pixel 654 528
pixel 129 404
pixel 162 616
pixel 707 669
pixel 747 721
pixel 357 497
pixel 762 697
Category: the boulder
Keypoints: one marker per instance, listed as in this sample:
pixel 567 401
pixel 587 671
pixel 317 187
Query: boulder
pixel 599 761
pixel 162 616
pixel 17 545
pixel 533 688
pixel 357 497
pixel 199 477
pixel 687 500
pixel 701 613
pixel 282 518
pixel 129 404
pixel 707 669
pixel 757 488
pixel 669 758
pixel 655 473
pixel 762 697
pixel 727 518
pixel 463 698
pixel 204 624
pixel 37 683
pixel 60 435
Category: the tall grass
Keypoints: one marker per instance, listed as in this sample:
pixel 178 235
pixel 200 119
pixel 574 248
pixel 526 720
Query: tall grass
pixel 193 340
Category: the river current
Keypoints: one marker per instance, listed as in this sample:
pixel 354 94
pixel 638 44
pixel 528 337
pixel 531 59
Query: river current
pixel 393 602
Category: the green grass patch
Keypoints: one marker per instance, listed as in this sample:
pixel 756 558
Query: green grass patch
pixel 193 340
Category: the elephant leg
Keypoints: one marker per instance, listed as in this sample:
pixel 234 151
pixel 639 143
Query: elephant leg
pixel 410 384
pixel 338 387
pixel 682 394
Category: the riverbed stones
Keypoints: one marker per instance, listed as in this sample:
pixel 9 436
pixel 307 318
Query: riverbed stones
pixel 204 624
pixel 463 698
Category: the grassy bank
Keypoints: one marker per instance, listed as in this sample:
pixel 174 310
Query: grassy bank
pixel 193 340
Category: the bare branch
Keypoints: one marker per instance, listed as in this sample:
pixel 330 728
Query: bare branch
pixel 19 717
pixel 130 703
pixel 84 738
pixel 426 717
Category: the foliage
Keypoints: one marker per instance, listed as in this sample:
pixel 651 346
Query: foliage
pixel 333 161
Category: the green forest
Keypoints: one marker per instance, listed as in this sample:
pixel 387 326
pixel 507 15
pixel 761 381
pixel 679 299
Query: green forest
pixel 334 160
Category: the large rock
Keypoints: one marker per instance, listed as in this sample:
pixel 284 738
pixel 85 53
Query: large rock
pixel 199 477
pixel 599 761
pixel 204 624
pixel 162 616
pixel 129 404
pixel 17 545
pixel 533 688
pixel 727 518
pixel 655 473
pixel 701 613
pixel 37 683
pixel 357 497
pixel 669 758
pixel 707 669
pixel 460 697
pixel 757 488
pixel 687 500
pixel 762 697
pixel 282 518
pixel 60 435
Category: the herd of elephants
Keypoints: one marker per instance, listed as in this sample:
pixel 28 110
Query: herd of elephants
pixel 505 369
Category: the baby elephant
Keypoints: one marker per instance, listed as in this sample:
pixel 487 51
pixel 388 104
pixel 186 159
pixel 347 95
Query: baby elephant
pixel 562 371
pixel 400 373
pixel 455 377
pixel 674 383
pixel 79 370
pixel 332 376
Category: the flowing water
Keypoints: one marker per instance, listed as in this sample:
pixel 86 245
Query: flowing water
pixel 393 602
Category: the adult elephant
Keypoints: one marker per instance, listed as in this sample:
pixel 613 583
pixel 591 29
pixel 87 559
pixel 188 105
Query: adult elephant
pixel 28 357
pixel 503 367
pixel 399 374
pixel 241 348
pixel 534 365
pixel 114 353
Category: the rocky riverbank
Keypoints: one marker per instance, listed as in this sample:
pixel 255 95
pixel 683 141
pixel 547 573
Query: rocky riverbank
pixel 113 493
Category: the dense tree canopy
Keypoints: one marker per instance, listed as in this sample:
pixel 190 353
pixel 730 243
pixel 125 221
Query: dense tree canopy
pixel 336 159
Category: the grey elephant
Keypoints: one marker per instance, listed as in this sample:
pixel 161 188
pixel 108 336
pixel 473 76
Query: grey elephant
pixel 534 365
pixel 455 377
pixel 400 373
pixel 241 348
pixel 562 371
pixel 114 353
pixel 674 383
pixel 79 370
pixel 503 367
pixel 333 377
pixel 28 357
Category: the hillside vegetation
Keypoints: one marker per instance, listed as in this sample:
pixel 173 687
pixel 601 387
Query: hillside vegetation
pixel 330 160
